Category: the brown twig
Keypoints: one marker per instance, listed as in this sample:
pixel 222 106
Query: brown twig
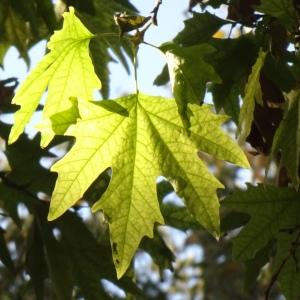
pixel 292 254
pixel 155 12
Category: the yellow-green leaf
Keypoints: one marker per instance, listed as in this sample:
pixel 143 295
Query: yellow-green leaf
pixel 149 142
pixel 67 71
pixel 252 94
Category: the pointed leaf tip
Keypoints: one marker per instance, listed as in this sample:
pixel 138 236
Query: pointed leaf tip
pixel 66 71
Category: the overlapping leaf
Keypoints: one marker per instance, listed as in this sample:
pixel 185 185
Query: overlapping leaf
pixel 288 253
pixel 252 92
pixel 102 22
pixel 67 71
pixel 287 139
pixel 232 61
pixel 284 10
pixel 199 29
pixel 189 74
pixel 151 141
pixel 270 209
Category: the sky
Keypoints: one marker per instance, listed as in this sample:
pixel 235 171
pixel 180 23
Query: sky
pixel 151 61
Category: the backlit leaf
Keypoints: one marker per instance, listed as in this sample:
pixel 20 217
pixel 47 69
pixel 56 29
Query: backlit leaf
pixel 67 71
pixel 150 142
pixel 251 91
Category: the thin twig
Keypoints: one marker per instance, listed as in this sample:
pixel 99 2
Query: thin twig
pixel 151 45
pixel 135 69
pixel 155 11
pixel 292 254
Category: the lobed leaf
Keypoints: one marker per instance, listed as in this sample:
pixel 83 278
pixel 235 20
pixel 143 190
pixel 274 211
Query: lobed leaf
pixel 269 208
pixel 150 142
pixel 67 71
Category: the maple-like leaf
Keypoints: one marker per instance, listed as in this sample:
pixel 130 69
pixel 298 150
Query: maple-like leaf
pixel 252 95
pixel 67 71
pixel 147 142
pixel 274 218
pixel 270 209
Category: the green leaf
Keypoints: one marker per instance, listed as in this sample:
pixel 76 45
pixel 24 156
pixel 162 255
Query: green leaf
pixel 17 32
pixel 28 13
pixel 252 89
pixel 36 264
pixel 289 277
pixel 288 254
pixel 179 217
pixel 189 74
pixel 46 11
pixel 59 122
pixel 283 10
pixel 87 268
pixel 4 46
pixel 67 71
pixel 232 61
pixel 253 266
pixel 163 78
pixel 139 148
pixel 287 138
pixel 27 176
pixel 199 29
pixel 269 208
pixel 102 22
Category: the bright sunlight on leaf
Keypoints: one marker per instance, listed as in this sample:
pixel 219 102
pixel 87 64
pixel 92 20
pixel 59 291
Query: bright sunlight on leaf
pixel 151 141
pixel 67 71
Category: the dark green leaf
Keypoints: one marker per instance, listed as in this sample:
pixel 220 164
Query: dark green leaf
pixel 163 78
pixel 232 61
pixel 287 139
pixel 233 220
pixel 269 208
pixel 253 266
pixel 36 264
pixel 278 70
pixel 179 217
pixel 101 23
pixel 199 29
pixel 58 259
pixel 189 73
pixel 283 10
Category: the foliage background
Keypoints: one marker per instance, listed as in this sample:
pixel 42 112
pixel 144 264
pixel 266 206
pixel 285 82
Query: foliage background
pixel 46 260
